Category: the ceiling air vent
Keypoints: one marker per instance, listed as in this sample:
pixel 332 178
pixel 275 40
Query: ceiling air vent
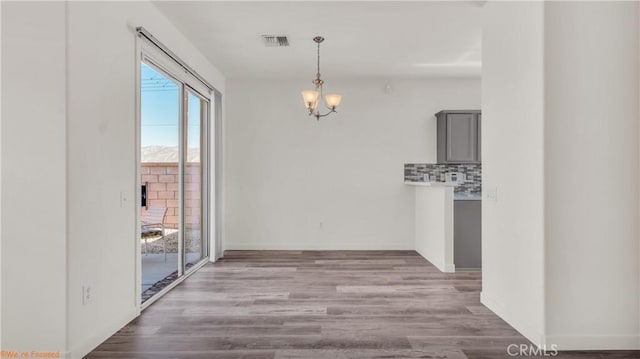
pixel 275 41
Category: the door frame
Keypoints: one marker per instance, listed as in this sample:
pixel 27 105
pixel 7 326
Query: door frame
pixel 205 163
pixel 146 51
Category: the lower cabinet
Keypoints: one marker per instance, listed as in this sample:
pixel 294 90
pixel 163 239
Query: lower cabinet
pixel 467 234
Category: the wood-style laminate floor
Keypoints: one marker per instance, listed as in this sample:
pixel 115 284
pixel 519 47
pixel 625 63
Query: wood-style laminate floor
pixel 321 305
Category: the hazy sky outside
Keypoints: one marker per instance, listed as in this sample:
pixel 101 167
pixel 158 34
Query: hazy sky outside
pixel 160 108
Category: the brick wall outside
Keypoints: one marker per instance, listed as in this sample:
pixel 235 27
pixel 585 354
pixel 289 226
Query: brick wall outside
pixel 162 191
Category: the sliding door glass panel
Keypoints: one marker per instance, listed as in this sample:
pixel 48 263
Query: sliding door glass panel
pixel 159 138
pixel 195 244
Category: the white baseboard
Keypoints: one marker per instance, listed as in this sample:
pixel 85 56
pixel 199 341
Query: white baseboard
pixel 84 348
pixel 91 343
pixel 442 267
pixel 449 268
pixel 315 247
pixel 561 342
pixel 600 342
pixel 513 319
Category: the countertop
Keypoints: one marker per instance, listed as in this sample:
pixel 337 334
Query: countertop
pixel 467 197
pixel 456 196
pixel 430 184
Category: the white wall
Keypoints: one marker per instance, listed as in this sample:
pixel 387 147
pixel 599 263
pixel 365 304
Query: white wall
pixel 63 168
pixel 101 158
pixel 33 177
pixel 560 107
pixel 592 182
pixel 434 226
pixel 512 164
pixel 287 173
pixel 1 346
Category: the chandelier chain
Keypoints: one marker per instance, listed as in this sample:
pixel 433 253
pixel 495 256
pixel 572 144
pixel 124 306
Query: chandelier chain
pixel 318 73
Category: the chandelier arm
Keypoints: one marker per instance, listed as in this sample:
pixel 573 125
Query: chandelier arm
pixel 318 115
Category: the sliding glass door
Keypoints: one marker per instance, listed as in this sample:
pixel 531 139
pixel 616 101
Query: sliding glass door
pixel 197 109
pixel 160 113
pixel 173 169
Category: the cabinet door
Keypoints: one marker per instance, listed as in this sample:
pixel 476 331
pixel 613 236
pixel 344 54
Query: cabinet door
pixel 462 137
pixel 467 234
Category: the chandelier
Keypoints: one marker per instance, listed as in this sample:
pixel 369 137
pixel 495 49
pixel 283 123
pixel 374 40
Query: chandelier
pixel 312 97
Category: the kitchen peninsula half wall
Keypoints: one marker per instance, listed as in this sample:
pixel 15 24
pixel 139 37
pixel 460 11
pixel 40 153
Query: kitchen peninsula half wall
pixel 447 213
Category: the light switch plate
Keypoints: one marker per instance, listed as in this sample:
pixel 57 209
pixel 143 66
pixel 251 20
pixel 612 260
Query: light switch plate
pixel 87 294
pixel 492 193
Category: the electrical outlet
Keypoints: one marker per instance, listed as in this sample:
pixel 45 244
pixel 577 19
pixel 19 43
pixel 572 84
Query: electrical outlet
pixel 87 294
pixel 124 200
pixel 492 193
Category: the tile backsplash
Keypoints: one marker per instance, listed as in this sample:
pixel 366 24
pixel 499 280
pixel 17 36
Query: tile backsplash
pixel 473 174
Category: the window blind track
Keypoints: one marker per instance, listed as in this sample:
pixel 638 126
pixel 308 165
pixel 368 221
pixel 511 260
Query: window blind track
pixel 147 35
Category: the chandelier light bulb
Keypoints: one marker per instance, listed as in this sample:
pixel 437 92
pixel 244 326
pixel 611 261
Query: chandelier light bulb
pixel 333 100
pixel 310 99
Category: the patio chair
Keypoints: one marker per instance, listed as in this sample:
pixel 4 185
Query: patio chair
pixel 153 224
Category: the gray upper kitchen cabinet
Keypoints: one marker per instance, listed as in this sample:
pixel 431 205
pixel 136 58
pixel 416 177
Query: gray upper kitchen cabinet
pixel 458 136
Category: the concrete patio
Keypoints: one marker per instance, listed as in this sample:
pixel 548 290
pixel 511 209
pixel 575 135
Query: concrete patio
pixel 155 268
